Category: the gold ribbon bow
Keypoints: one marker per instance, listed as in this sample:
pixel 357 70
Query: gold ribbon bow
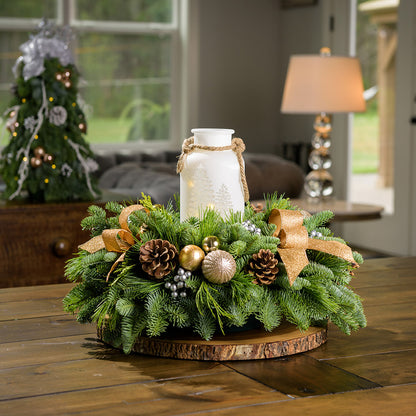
pixel 294 241
pixel 118 240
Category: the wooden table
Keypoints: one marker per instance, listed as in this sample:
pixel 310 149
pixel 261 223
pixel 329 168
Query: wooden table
pixel 51 365
pixel 343 210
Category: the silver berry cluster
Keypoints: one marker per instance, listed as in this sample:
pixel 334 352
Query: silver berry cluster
pixel 178 287
pixel 249 226
pixel 316 234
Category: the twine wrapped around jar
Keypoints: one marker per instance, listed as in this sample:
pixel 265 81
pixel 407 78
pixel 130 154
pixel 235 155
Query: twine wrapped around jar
pixel 210 180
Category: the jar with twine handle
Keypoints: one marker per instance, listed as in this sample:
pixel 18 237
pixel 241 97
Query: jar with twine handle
pixel 212 174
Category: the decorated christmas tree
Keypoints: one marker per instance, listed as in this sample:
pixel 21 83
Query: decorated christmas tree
pixel 47 158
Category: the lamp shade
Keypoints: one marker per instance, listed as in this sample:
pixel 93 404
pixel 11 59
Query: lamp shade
pixel 319 83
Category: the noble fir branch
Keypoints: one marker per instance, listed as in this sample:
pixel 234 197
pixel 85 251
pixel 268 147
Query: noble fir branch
pixel 114 207
pixel 238 315
pixel 211 223
pixel 125 307
pixel 294 308
pixel 96 221
pixel 237 248
pixel 177 315
pixel 269 313
pixel 105 312
pixel 132 327
pixel 358 257
pixel 205 325
pixel 76 297
pixel 157 319
pixel 275 201
pixel 317 220
pixel 135 287
pixel 86 311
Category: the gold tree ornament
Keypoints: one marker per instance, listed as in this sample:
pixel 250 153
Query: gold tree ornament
pixel 190 257
pixel 39 152
pixel 158 258
pixel 82 127
pixel 219 267
pixel 210 243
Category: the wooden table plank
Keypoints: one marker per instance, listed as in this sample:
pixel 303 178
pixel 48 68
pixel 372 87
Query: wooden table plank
pixel 385 369
pixel 51 350
pixel 35 292
pixel 30 309
pixel 42 328
pixel 387 401
pixel 193 391
pixel 386 295
pixel 301 375
pixel 44 379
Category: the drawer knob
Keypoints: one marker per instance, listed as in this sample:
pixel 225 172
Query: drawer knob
pixel 61 247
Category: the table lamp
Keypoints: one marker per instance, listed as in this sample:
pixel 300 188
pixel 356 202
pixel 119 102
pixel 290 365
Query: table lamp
pixel 322 84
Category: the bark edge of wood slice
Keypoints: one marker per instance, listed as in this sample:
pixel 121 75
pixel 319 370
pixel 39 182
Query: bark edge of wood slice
pixel 255 344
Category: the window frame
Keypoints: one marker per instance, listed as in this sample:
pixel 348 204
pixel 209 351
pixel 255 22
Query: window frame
pixel 178 29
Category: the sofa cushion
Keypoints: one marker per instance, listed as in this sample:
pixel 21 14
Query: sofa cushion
pixel 131 179
pixel 265 174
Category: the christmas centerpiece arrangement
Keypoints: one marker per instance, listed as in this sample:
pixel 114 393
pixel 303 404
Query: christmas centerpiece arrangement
pixel 47 157
pixel 155 272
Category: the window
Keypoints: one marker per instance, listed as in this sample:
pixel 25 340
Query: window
pixel 128 53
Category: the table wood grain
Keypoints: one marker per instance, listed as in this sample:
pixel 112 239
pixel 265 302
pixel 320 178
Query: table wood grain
pixel 51 365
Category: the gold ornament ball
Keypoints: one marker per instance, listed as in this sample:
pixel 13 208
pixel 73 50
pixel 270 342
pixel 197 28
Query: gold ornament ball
pixel 82 127
pixel 67 74
pixel 35 162
pixel 190 257
pixel 210 243
pixel 68 84
pixel 39 152
pixel 58 76
pixel 219 267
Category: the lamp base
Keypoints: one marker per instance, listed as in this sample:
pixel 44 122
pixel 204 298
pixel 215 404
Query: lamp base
pixel 319 183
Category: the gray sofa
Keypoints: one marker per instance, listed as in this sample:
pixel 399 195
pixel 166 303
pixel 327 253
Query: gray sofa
pixel 155 174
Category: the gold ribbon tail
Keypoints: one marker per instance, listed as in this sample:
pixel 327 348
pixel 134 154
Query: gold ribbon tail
pixel 295 260
pixel 333 247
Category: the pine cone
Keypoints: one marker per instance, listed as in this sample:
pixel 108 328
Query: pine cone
pixel 158 258
pixel 263 266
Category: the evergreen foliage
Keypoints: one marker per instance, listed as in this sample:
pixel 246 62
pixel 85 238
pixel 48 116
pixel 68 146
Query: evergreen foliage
pixel 132 303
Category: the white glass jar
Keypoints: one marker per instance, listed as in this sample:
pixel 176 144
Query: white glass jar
pixel 211 178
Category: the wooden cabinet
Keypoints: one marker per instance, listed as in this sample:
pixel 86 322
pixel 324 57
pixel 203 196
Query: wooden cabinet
pixel 37 239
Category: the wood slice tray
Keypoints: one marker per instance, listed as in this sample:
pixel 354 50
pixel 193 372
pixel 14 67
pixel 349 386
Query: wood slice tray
pixel 255 344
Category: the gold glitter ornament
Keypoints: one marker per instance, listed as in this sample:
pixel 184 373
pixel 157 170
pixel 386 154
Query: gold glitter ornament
pixel 39 152
pixel 210 243
pixel 218 267
pixel 190 257
pixel 35 162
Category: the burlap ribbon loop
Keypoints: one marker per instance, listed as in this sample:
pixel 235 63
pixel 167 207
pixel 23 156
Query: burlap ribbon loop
pixel 117 240
pixel 294 242
pixel 237 146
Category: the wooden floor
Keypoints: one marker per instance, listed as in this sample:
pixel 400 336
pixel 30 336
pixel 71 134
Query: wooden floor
pixel 51 365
